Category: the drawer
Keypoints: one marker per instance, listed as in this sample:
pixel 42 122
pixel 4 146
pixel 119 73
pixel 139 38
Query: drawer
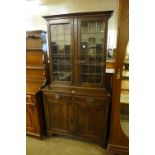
pixel 58 96
pixel 89 99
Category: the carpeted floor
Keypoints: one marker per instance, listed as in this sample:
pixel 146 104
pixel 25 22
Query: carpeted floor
pixel 61 146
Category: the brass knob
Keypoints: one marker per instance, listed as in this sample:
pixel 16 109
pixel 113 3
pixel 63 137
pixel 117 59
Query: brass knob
pixel 73 91
pixel 57 96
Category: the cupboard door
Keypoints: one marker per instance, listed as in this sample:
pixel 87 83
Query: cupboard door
pixel 91 117
pixel 61 50
pixel 32 122
pixel 92 34
pixel 58 113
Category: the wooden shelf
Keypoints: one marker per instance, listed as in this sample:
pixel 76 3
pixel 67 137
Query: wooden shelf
pixel 34 49
pixel 35 67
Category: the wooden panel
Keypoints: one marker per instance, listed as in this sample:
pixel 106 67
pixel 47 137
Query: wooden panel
pixel 33 88
pixel 89 121
pixel 32 123
pixel 59 116
pixel 35 75
pixel 58 113
pixel 91 117
pixel 34 43
pixel 35 122
pixel 35 58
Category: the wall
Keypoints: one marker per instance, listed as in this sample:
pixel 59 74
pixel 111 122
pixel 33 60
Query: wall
pixel 35 9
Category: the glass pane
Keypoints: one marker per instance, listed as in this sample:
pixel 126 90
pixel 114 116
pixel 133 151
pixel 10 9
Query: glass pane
pixel 60 29
pixel 100 27
pixel 92 27
pixel 67 50
pixel 124 96
pixel 67 29
pixel 84 27
pixel 67 39
pixel 99 38
pixel 91 54
pixel 61 52
pixel 84 38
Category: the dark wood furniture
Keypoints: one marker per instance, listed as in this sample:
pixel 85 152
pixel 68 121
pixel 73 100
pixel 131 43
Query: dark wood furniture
pixel 35 80
pixel 118 141
pixel 77 101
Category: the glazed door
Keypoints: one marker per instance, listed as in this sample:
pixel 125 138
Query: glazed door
pixel 61 51
pixel 91 55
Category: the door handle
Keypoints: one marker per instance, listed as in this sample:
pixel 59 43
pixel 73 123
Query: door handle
pixel 118 74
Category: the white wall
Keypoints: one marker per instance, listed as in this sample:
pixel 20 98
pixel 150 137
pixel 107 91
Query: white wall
pixel 35 9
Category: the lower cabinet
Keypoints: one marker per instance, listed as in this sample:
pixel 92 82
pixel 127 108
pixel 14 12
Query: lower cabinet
pixel 80 116
pixel 34 115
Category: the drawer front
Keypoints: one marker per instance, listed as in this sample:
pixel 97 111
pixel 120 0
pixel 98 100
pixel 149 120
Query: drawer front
pixel 91 100
pixel 58 96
